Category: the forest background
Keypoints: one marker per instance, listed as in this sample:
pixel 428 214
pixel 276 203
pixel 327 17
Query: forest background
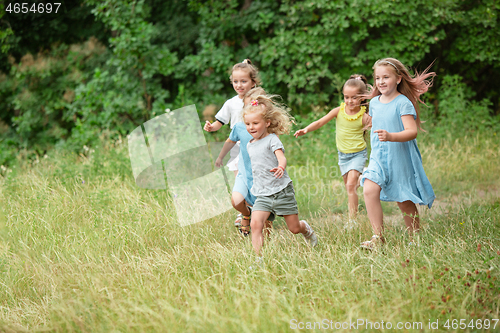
pixel 84 249
pixel 95 70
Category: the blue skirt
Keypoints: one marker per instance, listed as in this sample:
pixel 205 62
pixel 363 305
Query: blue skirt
pixel 352 161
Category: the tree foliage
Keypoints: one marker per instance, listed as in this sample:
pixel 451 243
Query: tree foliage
pixel 109 65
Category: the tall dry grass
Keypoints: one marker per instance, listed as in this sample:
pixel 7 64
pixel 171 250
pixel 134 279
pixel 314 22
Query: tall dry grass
pixel 82 249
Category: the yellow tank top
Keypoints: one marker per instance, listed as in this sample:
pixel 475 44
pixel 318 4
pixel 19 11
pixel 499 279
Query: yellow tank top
pixel 350 131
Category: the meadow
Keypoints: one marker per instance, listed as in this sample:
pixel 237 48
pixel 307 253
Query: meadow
pixel 83 249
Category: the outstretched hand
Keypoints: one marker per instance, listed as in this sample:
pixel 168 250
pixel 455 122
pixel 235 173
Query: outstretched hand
pixel 208 127
pixel 218 162
pixel 383 135
pixel 300 132
pixel 278 172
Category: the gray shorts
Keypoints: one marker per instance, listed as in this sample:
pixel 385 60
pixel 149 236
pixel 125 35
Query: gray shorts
pixel 281 203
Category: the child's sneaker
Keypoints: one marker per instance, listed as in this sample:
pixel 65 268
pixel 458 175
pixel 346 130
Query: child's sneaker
pixel 310 237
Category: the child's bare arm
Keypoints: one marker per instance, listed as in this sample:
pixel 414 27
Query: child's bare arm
pixel 212 127
pixel 318 123
pixel 409 133
pixel 228 145
pixel 367 121
pixel 280 169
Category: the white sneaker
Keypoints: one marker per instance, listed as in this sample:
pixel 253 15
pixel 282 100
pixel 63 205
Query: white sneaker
pixel 311 237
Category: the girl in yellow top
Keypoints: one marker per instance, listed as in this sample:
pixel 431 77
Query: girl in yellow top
pixel 352 120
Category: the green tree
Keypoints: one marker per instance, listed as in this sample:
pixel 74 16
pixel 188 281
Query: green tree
pixel 127 90
pixel 159 55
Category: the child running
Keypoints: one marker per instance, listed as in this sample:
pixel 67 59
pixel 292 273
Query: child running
pixel 395 171
pixel 352 120
pixel 244 77
pixel 264 120
pixel 241 198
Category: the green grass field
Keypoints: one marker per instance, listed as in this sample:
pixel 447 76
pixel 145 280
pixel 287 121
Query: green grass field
pixel 83 249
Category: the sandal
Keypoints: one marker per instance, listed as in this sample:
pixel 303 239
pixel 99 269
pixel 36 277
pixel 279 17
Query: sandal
pixel 237 222
pixel 373 243
pixel 245 229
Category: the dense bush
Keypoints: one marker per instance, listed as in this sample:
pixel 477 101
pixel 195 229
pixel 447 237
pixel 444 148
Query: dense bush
pixel 149 55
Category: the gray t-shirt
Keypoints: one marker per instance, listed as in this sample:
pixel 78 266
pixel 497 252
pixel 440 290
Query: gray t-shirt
pixel 263 159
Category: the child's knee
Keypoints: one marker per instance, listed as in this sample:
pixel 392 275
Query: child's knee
pixel 256 224
pixel 351 187
pixel 237 198
pixel 370 192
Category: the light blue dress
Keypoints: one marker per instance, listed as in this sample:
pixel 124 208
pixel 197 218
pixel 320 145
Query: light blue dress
pixel 396 166
pixel 244 179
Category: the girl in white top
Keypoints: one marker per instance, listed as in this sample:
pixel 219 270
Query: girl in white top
pixel 244 77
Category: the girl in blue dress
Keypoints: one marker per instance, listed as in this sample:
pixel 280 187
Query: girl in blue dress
pixel 395 171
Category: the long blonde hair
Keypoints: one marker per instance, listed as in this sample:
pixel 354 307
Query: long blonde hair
pixel 410 86
pixel 272 111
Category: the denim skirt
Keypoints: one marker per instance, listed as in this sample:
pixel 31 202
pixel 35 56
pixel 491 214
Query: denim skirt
pixel 352 161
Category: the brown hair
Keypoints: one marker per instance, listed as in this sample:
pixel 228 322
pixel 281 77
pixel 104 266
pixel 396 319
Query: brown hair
pixel 254 92
pixel 360 82
pixel 246 65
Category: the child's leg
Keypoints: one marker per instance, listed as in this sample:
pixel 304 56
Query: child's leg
pixel 294 225
pixel 371 192
pixel 410 215
pixel 258 222
pixel 351 184
pixel 239 203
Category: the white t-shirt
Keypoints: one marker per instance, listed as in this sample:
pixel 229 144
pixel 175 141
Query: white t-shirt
pixel 231 111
